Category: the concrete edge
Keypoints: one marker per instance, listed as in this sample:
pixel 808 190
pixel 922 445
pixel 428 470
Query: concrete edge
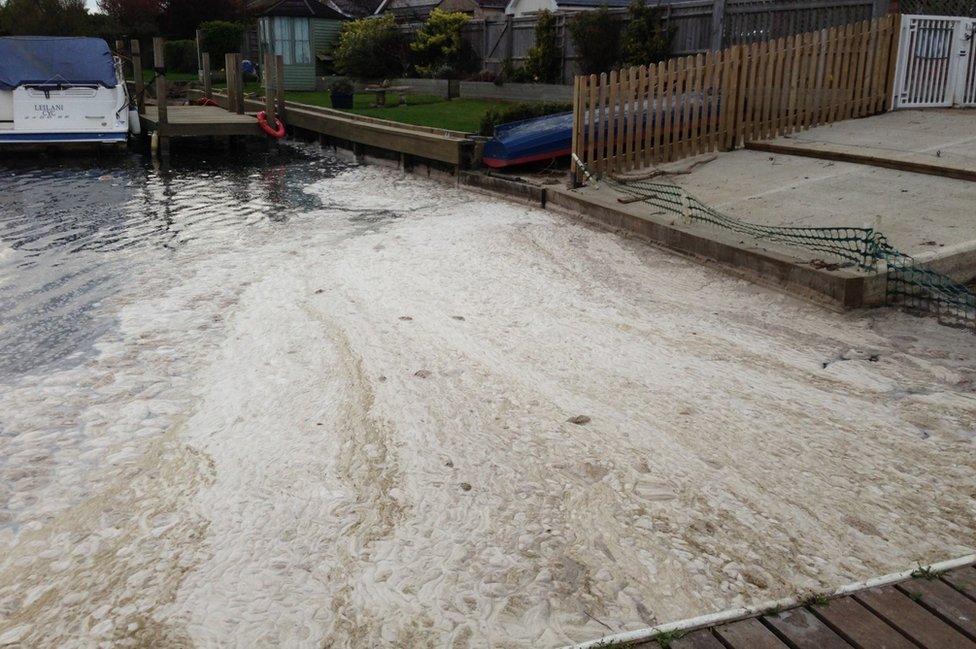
pixel 522 192
pixel 957 262
pixel 839 290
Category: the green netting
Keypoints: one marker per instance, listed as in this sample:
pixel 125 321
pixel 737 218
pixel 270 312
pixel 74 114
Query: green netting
pixel 909 285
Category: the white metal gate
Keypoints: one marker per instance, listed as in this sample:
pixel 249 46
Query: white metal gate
pixel 936 62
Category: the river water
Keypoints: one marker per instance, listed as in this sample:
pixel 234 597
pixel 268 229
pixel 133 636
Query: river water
pixel 289 401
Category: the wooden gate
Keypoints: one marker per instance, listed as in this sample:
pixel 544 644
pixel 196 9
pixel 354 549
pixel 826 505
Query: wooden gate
pixel 936 62
pixel 647 115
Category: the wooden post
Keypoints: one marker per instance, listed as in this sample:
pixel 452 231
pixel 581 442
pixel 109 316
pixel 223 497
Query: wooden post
pixel 137 79
pixel 159 63
pixel 510 38
pixel 269 89
pixel 718 25
pixel 575 171
pixel 280 84
pixel 120 52
pixel 207 76
pixel 229 76
pixel 891 49
pixel 199 40
pixel 238 85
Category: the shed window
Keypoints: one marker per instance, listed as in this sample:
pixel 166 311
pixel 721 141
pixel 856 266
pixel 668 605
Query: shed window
pixel 289 38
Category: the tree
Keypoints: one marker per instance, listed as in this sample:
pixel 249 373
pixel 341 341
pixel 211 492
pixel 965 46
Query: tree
pixel 440 51
pixel 596 36
pixel 181 18
pixel 371 48
pixel 545 60
pixel 134 17
pixel 218 37
pixel 646 38
pixel 44 18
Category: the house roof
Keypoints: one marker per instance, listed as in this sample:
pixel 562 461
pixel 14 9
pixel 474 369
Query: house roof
pixel 596 4
pixel 334 9
pixel 298 8
pixel 357 8
pixel 408 8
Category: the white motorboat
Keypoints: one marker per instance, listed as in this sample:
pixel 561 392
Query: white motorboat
pixel 61 90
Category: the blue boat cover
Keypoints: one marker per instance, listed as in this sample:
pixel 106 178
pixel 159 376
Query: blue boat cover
pixel 47 60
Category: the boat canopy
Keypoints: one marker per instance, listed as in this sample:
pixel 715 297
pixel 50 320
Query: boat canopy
pixel 53 61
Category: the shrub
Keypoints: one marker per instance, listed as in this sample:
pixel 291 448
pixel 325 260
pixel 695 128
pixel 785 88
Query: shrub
pixel 485 75
pixel 505 113
pixel 371 48
pixel 646 38
pixel 545 61
pixel 181 56
pixel 219 37
pixel 439 50
pixel 342 87
pixel 596 36
pixel 512 74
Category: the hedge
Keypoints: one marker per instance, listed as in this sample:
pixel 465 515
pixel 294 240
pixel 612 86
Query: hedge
pixel 505 113
pixel 181 56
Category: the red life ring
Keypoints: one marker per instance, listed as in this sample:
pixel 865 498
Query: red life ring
pixel 206 101
pixel 275 133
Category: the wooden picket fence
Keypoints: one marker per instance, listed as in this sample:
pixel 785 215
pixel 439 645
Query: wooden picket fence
pixel 647 115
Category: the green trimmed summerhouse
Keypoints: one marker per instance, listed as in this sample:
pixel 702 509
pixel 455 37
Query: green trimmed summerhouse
pixel 303 32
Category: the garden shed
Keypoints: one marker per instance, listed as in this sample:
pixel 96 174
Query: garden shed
pixel 304 33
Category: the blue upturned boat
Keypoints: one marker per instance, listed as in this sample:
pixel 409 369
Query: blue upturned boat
pixel 530 140
pixel 551 136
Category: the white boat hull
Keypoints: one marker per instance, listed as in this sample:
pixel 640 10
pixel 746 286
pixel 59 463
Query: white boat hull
pixel 35 115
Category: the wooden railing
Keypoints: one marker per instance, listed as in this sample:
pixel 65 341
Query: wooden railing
pixel 682 107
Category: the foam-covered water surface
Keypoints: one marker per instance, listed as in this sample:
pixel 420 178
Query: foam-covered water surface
pixel 297 403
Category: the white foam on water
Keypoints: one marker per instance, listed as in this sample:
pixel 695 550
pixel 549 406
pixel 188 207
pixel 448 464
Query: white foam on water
pixel 353 432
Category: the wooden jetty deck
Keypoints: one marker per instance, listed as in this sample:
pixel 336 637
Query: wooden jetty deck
pixel 195 121
pixel 199 121
pixel 929 611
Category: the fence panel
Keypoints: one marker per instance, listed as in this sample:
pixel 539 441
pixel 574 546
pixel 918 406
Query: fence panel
pixel 496 39
pixel 690 105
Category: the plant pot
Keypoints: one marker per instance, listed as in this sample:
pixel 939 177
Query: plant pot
pixel 341 99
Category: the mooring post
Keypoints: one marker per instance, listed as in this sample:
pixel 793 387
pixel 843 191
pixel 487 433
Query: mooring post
pixel 269 92
pixel 159 65
pixel 137 79
pixel 229 74
pixel 280 84
pixel 199 40
pixel 238 84
pixel 207 79
pixel 120 52
pixel 123 58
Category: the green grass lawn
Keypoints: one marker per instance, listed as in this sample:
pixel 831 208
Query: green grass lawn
pixel 422 110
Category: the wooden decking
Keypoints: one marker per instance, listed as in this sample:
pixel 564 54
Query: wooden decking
pixel 199 121
pixel 928 612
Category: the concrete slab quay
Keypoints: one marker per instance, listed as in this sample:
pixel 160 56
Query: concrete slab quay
pixel 936 141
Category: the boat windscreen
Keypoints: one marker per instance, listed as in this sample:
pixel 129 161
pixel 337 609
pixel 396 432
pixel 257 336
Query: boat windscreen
pixel 52 61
